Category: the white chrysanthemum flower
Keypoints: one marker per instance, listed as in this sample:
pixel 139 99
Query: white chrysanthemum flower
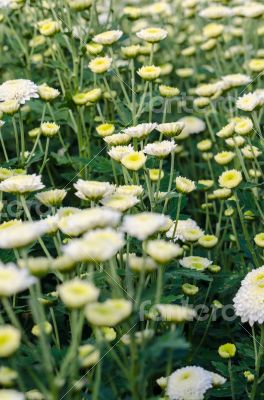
pixel 170 128
pixel 14 280
pixel 162 251
pixel 93 190
pixel 144 225
pixel 99 65
pixel 175 313
pixel 95 246
pixel 118 152
pixel 193 234
pixel 184 185
pixel 20 90
pixel 248 302
pixel 79 222
pixel 236 141
pixel 192 125
pixel 109 313
pixel 189 383
pixel 248 102
pixel 160 149
pixel 195 262
pixel 140 131
pixel 230 179
pixel 120 202
pixel 108 38
pixel 22 184
pixel 217 380
pixel 152 35
pixel 11 394
pixel 133 190
pixel 182 227
pixel 149 72
pixel 118 139
pixel 51 198
pixel 77 293
pixel 209 89
pixel 251 152
pixel 134 160
pixel 140 264
pixel 235 80
pixel 216 12
pixel 20 234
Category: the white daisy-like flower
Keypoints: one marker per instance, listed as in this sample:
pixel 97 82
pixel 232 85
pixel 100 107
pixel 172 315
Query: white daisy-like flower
pixel 248 102
pixel 182 227
pixel 93 190
pixel 216 12
pixel 19 234
pixel 248 302
pixel 97 217
pixel 120 202
pixel 170 128
pixel 96 246
pixel 195 262
pixel 189 383
pixel 21 90
pixel 235 80
pixel 144 224
pixel 192 125
pixel 160 149
pixel 118 152
pixel 13 279
pixel 22 184
pixel 108 38
pixel 152 35
pixel 140 131
pixel 133 190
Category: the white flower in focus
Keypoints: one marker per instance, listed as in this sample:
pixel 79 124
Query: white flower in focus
pixel 99 65
pixel 163 252
pixel 152 35
pixel 144 225
pixel 77 293
pixel 21 90
pixel 14 280
pixel 248 102
pixel 22 184
pixel 118 152
pixel 160 149
pixel 170 128
pixel 51 198
pixel 195 262
pixel 133 190
pixel 107 38
pixel 92 190
pixel 140 131
pixel 248 302
pixel 189 383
